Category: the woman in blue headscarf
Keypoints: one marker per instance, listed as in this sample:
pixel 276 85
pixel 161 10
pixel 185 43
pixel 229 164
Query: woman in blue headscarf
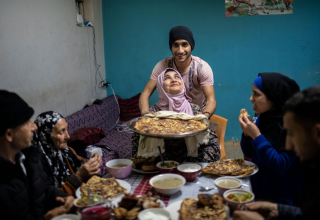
pixel 279 176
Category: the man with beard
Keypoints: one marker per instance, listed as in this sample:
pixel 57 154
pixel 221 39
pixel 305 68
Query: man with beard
pixel 196 73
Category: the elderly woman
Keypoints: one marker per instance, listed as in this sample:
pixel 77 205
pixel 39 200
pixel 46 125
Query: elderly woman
pixel 173 97
pixel 65 168
pixel 279 177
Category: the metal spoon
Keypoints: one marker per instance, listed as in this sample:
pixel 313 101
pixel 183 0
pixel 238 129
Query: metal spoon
pixel 162 164
pixel 205 189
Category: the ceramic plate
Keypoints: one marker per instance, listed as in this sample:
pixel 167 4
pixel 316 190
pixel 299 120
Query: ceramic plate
pixel 250 164
pixel 123 183
pixel 175 207
pixel 144 172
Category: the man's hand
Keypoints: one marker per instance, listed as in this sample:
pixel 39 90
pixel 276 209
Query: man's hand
pixel 249 128
pixel 266 209
pixel 246 215
pixel 67 202
pixel 55 212
pixel 145 95
pixel 92 167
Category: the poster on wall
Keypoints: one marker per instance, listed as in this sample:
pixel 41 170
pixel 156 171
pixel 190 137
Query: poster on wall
pixel 236 8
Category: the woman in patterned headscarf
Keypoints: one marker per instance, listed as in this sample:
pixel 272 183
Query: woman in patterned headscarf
pixel 66 170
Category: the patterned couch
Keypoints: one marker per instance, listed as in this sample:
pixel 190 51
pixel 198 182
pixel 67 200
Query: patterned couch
pixel 104 116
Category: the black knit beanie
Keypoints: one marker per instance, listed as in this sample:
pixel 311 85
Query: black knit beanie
pixel 14 111
pixel 181 32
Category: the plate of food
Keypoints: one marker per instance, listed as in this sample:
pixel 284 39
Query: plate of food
pixel 167 127
pixel 231 167
pixel 130 205
pixel 205 207
pixel 144 165
pixel 108 188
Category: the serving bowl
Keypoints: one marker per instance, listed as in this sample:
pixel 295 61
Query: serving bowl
pixel 67 217
pixel 166 178
pixel 189 171
pixel 95 199
pixel 238 192
pixel 166 169
pixel 151 213
pixel 121 172
pixel 222 184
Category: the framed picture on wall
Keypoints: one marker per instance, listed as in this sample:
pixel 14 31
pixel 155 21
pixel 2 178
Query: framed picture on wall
pixel 237 8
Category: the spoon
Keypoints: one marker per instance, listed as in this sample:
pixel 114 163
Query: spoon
pixel 88 193
pixel 205 189
pixel 162 163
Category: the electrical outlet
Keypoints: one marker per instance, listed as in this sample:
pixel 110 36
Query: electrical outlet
pixel 106 84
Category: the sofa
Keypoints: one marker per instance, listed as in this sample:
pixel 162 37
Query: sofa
pixel 116 143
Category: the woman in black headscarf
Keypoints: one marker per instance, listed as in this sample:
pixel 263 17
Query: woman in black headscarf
pixel 279 176
pixel 64 167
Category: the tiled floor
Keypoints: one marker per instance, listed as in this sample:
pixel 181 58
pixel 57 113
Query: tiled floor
pixel 233 149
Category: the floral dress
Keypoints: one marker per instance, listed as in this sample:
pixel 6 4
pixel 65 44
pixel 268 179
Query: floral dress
pixel 176 149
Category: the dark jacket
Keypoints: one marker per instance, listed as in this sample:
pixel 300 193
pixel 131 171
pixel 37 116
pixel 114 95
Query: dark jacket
pixel 72 184
pixel 26 197
pixel 310 195
pixel 280 174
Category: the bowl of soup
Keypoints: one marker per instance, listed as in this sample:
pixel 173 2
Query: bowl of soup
pixel 225 183
pixel 235 197
pixel 167 183
pixel 169 166
pixel 119 168
pixel 189 171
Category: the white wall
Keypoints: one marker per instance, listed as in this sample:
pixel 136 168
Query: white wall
pixel 46 58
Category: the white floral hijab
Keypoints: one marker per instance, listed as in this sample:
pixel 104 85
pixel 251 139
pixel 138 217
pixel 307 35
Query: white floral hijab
pixel 57 159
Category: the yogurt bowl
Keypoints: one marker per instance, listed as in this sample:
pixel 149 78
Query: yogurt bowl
pixel 189 171
pixel 154 214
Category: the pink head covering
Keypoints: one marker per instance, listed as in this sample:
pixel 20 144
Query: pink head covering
pixel 178 102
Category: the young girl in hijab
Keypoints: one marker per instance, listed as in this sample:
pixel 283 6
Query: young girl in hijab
pixel 279 176
pixel 173 97
pixel 63 166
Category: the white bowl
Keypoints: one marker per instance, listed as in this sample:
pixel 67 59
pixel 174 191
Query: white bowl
pixel 233 205
pixel 149 213
pixel 227 179
pixel 67 217
pixel 167 176
pixel 96 198
pixel 119 172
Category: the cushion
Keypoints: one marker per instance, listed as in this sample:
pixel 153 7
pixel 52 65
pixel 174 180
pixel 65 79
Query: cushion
pixel 129 108
pixel 86 136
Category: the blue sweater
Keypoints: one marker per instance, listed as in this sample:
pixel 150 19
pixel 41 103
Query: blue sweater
pixel 280 174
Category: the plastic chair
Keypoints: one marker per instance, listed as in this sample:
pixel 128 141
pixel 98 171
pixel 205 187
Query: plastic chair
pixel 221 130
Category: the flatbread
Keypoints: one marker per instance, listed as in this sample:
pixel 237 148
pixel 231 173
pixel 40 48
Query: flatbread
pixel 107 188
pixel 233 167
pixel 244 112
pixel 207 207
pixel 168 126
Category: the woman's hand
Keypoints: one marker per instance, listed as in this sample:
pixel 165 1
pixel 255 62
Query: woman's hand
pixel 249 128
pixel 92 167
pixel 67 202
